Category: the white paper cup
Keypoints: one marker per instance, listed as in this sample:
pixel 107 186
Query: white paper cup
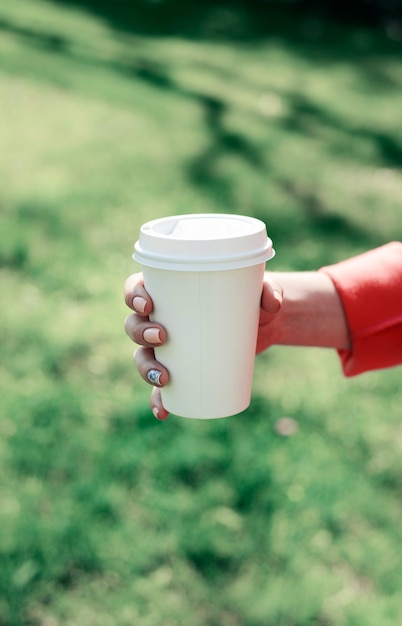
pixel 204 273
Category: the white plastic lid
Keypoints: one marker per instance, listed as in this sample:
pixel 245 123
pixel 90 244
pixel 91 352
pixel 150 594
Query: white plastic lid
pixel 203 242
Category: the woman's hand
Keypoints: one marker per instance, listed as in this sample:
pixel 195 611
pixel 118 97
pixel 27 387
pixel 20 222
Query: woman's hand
pixel 150 334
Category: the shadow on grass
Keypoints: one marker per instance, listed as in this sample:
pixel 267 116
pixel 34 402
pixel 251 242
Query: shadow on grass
pixel 239 19
pixel 302 28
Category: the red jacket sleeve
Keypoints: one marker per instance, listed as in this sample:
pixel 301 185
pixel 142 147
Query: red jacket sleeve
pixel 370 288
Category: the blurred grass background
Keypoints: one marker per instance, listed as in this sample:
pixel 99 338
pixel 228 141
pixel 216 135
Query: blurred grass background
pixel 113 113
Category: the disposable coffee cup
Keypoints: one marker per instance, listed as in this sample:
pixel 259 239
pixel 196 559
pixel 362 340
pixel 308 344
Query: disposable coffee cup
pixel 204 273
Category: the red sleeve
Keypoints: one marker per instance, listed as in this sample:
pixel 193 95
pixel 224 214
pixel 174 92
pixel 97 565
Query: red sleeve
pixel 370 288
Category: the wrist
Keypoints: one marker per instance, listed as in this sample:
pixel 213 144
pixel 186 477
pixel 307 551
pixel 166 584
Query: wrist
pixel 311 313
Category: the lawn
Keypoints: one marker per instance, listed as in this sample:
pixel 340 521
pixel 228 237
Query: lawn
pixel 115 113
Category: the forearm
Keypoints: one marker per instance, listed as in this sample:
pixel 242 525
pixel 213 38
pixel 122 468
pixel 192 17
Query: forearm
pixel 311 312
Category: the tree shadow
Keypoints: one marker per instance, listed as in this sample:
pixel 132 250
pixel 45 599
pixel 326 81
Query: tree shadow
pixel 320 220
pixel 303 28
pixel 36 37
pixel 306 117
pixel 237 19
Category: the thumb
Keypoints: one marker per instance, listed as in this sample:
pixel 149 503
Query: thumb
pixel 272 296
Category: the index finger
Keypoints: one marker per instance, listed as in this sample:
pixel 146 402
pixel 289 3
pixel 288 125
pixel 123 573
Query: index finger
pixel 135 295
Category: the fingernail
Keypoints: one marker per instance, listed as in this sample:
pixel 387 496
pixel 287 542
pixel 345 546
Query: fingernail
pixel 154 377
pixel 139 303
pixel 278 296
pixel 155 411
pixel 152 335
pixel 158 416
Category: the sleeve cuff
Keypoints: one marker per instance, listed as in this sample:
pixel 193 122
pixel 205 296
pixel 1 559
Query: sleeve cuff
pixel 370 289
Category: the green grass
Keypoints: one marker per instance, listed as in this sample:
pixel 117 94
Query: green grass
pixel 112 116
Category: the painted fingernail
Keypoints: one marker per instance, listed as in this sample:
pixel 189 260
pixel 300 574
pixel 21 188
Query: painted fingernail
pixel 139 303
pixel 152 335
pixel 154 377
pixel 159 415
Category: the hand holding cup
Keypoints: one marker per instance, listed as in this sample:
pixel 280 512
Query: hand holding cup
pixel 149 334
